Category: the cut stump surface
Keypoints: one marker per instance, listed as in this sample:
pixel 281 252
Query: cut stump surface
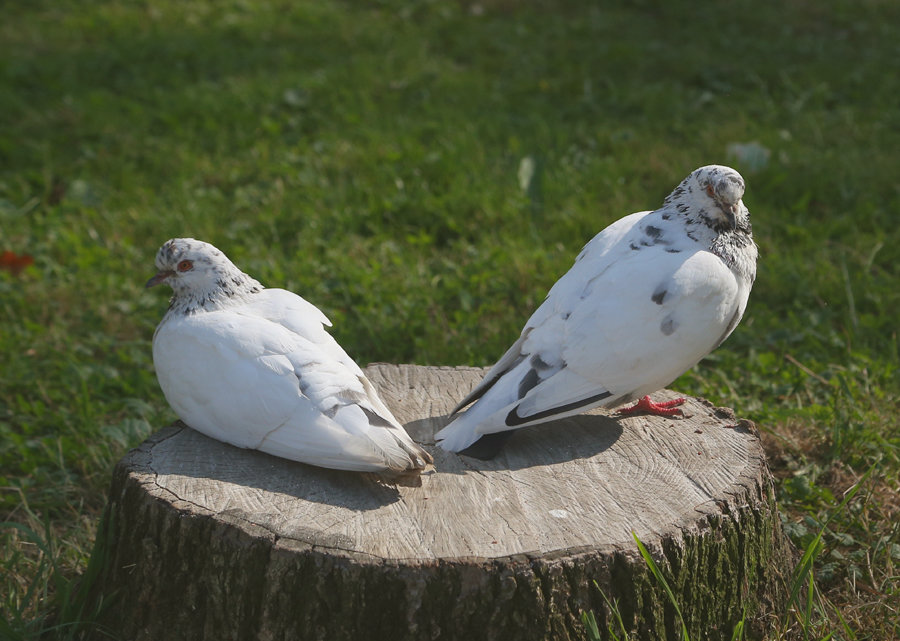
pixel 208 541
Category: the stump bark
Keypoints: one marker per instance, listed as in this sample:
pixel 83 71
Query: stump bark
pixel 207 541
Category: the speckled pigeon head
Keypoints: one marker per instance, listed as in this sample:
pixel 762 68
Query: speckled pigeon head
pixel 199 274
pixel 723 184
pixel 714 194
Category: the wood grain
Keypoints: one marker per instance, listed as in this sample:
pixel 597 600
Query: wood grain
pixel 561 498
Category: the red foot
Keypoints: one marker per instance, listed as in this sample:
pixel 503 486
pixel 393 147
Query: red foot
pixel 646 406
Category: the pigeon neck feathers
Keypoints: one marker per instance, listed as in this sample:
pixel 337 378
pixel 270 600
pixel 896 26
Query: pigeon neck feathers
pixel 202 278
pixel 737 249
pixel 709 203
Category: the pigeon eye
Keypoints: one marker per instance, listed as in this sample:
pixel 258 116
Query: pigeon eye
pixel 709 191
pixel 185 265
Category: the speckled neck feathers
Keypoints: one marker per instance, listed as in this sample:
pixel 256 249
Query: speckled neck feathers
pixel 709 204
pixel 202 278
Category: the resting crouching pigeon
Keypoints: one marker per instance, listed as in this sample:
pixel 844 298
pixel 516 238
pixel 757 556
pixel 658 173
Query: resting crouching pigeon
pixel 646 299
pixel 254 367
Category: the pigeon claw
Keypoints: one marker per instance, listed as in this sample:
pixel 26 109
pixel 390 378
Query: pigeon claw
pixel 646 406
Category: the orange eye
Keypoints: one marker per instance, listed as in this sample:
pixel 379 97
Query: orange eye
pixel 185 265
pixel 709 191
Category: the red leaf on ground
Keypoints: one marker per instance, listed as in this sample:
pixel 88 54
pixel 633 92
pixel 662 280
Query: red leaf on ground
pixel 15 263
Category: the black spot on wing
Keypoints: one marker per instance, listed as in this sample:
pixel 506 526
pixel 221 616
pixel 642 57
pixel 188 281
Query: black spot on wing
pixel 668 326
pixel 513 419
pixel 653 236
pixel 634 247
pixel 485 386
pixel 528 382
pixel 660 294
pixel 533 377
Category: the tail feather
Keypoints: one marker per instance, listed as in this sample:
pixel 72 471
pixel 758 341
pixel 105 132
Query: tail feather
pixel 509 361
pixel 401 454
pixel 458 435
pixel 468 427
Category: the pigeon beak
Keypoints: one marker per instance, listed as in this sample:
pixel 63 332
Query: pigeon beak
pixel 159 278
pixel 731 215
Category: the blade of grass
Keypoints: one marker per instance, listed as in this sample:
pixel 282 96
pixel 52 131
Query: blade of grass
pixel 17 624
pixel 614 608
pixel 662 581
pixel 72 610
pixel 847 629
pixel 804 568
pixel 738 633
pixel 590 624
pixel 807 614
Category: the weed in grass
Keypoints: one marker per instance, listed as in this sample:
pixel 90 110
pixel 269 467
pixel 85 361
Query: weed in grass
pixel 658 575
pixel 589 620
pixel 42 599
pixel 811 610
pixel 593 630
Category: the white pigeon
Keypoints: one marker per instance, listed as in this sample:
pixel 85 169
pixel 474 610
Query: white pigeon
pixel 646 299
pixel 255 368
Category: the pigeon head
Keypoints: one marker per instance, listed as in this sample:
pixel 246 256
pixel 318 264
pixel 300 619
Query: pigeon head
pixel 199 274
pixel 714 192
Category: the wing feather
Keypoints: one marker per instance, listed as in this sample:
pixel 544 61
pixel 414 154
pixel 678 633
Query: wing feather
pixel 305 398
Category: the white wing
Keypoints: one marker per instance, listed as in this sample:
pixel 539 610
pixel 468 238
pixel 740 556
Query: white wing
pixel 279 384
pixel 307 320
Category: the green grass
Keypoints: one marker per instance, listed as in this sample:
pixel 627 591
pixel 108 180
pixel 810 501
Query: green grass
pixel 367 155
pixel 806 606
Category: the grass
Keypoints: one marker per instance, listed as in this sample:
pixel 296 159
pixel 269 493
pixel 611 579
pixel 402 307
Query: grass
pixel 423 172
pixel 617 625
pixel 806 606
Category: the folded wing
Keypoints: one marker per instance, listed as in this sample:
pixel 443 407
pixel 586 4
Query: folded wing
pixel 270 377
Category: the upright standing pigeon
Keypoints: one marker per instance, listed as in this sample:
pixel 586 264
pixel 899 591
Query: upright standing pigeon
pixel 646 299
pixel 254 367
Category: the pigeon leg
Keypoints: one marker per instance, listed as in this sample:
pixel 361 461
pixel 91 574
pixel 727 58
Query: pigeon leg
pixel 663 408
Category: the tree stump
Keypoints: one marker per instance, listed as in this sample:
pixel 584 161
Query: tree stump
pixel 208 541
